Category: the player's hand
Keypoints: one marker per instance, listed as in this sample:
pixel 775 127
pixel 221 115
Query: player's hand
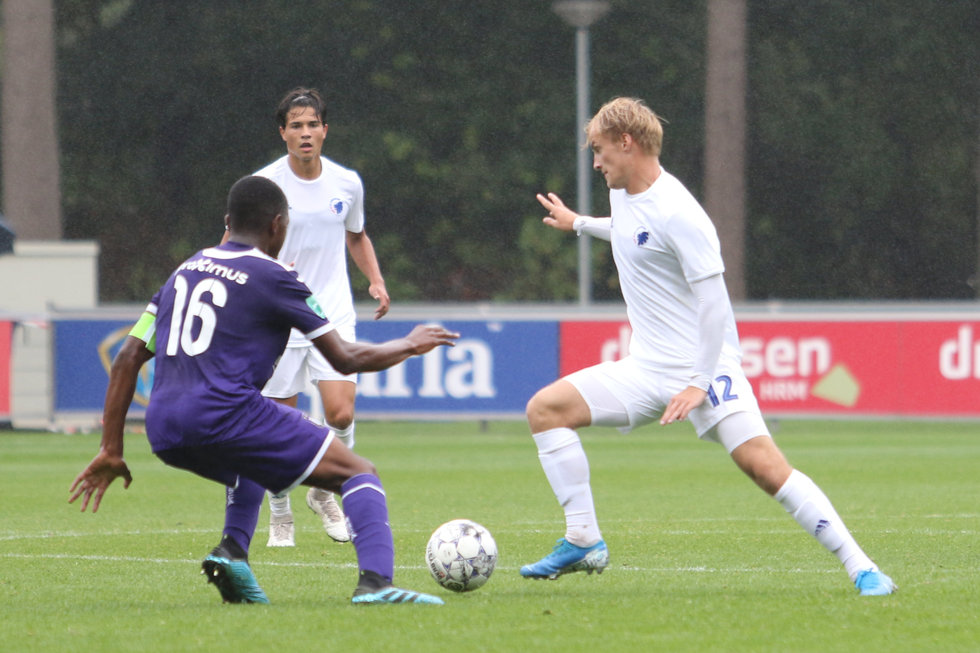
pixel 559 216
pixel 427 337
pixel 95 479
pixel 682 404
pixel 380 293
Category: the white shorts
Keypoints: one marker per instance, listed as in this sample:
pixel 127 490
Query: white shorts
pixel 298 367
pixel 626 395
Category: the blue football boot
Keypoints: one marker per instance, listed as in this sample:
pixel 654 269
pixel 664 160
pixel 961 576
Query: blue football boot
pixel 567 558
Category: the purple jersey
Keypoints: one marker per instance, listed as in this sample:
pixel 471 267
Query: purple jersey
pixel 223 318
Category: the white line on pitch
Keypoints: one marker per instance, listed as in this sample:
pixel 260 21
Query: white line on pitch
pixel 351 565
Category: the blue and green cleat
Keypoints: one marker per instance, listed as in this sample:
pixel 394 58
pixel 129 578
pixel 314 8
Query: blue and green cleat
pixel 872 582
pixel 375 589
pixel 231 574
pixel 395 595
pixel 567 558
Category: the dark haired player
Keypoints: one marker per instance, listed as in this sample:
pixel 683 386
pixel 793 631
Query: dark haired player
pixel 222 319
pixel 326 206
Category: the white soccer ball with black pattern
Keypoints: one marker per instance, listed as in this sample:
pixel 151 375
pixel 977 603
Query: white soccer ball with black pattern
pixel 461 555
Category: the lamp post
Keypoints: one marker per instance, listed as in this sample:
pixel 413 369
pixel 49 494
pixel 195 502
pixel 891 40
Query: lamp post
pixel 581 14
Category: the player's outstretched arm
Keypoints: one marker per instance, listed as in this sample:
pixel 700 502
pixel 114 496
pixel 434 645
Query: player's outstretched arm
pixel 95 479
pixel 109 464
pixel 563 218
pixel 349 357
pixel 559 216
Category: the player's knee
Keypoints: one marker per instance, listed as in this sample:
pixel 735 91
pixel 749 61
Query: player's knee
pixel 533 408
pixel 340 418
pixel 360 465
pixel 541 413
pixel 364 466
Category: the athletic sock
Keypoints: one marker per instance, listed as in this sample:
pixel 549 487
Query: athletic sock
pixel 347 437
pixel 567 469
pixel 279 506
pixel 369 582
pixel 812 510
pixel 344 435
pixel 319 494
pixel 233 548
pixel 242 504
pixel 367 513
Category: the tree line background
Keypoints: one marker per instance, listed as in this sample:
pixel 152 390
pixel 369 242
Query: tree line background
pixel 863 134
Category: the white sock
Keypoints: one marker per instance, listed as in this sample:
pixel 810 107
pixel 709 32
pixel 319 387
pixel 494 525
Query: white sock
pixel 344 435
pixel 812 510
pixel 279 506
pixel 567 469
pixel 347 437
pixel 319 494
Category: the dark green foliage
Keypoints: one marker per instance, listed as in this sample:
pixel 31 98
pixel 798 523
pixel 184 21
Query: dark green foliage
pixel 862 135
pixel 863 147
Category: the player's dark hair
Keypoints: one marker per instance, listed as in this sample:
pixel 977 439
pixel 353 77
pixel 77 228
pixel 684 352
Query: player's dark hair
pixel 253 202
pixel 301 97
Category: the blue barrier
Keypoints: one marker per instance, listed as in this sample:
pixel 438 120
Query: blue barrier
pixel 493 370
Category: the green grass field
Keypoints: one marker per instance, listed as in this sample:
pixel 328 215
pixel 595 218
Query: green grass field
pixel 701 559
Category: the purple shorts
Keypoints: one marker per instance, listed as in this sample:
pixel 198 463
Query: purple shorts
pixel 277 447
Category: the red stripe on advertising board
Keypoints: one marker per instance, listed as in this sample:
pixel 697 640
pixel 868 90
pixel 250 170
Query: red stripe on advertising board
pixel 913 368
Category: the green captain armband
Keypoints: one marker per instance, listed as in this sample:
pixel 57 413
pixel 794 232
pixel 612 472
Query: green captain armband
pixel 146 330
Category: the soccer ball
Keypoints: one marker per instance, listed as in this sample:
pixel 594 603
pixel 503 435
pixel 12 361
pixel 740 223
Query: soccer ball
pixel 461 555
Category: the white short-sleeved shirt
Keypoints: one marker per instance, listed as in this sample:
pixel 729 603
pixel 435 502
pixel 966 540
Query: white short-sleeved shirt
pixel 321 211
pixel 663 241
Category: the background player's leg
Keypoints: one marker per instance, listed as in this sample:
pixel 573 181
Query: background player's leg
pixel 337 399
pixel 282 529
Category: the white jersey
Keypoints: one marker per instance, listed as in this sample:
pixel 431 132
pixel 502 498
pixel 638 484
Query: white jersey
pixel 662 242
pixel 321 211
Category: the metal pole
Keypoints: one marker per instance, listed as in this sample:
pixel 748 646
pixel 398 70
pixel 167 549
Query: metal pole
pixel 584 164
pixel 581 14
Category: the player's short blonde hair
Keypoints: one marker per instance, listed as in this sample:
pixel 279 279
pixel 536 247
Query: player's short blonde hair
pixel 627 116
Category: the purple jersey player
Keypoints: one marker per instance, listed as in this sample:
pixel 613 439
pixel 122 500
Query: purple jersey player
pixel 208 378
pixel 222 319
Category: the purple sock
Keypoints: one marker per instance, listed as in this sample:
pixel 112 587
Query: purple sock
pixel 242 506
pixel 367 511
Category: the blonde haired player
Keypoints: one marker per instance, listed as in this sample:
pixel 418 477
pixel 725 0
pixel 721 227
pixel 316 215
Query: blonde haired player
pixel 684 358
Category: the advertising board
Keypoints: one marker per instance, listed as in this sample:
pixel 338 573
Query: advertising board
pixel 827 367
pixel 492 371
